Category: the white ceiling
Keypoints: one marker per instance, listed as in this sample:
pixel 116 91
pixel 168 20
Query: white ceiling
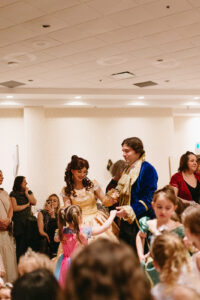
pixel 89 40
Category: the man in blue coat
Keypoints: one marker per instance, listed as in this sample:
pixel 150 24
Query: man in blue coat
pixel 136 188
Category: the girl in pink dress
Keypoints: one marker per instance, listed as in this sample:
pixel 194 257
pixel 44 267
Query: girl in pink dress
pixel 73 236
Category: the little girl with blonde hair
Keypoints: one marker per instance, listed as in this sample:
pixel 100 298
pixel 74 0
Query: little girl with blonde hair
pixel 171 260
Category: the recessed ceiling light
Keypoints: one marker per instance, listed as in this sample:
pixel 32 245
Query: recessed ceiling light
pixel 76 103
pixel 78 97
pixel 196 98
pixel 137 103
pixel 9 103
pixel 9 96
pixel 141 97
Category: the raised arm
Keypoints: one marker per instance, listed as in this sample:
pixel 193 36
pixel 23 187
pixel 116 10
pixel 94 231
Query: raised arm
pixel 140 239
pixel 31 198
pixel 100 229
pixel 18 207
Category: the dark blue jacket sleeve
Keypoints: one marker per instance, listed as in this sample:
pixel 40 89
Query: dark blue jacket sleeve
pixel 143 189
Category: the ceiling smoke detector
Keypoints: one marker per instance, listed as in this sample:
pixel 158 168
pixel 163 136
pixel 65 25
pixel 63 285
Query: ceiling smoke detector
pixel 123 75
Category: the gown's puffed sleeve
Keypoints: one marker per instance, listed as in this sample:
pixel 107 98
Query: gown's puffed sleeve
pixel 144 227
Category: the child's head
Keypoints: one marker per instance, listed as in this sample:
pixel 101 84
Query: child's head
pixel 191 222
pixel 164 203
pixel 169 255
pixel 71 215
pixel 31 261
pixel 5 291
pixel 38 284
pixel 106 270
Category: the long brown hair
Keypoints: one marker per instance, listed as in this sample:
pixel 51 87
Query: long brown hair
pixel 71 215
pixel 76 163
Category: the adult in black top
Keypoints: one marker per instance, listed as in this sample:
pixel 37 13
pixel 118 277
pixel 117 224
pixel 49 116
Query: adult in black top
pixel 22 199
pixel 47 225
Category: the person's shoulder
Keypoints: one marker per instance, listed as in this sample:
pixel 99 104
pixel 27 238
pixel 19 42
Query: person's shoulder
pixel 197 175
pixel 177 176
pixel 95 184
pixel 12 194
pixel 147 167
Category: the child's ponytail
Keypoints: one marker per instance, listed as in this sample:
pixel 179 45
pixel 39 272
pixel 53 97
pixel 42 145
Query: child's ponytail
pixel 61 222
pixel 73 215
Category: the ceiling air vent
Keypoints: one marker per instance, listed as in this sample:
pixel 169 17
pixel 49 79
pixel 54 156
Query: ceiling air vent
pixel 11 83
pixel 123 75
pixel 145 84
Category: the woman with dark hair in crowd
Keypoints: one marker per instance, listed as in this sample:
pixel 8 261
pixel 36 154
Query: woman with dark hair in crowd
pixel 47 225
pixel 186 182
pixel 22 199
pixel 80 190
pixel 7 247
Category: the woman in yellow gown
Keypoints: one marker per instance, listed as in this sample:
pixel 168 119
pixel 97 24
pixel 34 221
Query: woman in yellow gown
pixel 80 190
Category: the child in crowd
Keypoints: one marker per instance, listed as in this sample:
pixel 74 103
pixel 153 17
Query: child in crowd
pixel 171 260
pixel 33 260
pixel 73 236
pixel 164 204
pixel 106 270
pixel 191 222
pixel 5 291
pixel 36 285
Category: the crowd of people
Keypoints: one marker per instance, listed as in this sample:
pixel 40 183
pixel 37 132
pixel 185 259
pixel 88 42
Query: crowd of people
pixel 140 243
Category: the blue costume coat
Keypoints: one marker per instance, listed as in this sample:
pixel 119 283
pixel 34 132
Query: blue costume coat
pixel 142 191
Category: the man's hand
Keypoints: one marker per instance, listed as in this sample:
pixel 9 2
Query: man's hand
pixel 121 213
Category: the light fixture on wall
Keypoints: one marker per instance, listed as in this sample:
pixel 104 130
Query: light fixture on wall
pixel 9 103
pixel 140 97
pixel 196 98
pixel 76 103
pixel 77 97
pixel 9 96
pixel 137 104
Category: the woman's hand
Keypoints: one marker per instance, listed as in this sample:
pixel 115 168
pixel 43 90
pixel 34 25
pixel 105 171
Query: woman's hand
pixel 47 237
pixel 121 213
pixel 4 223
pixel 51 212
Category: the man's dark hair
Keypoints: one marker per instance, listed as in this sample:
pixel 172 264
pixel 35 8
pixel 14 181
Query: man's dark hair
pixel 134 143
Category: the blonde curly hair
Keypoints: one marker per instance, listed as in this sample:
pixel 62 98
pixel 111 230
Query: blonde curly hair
pixel 170 254
pixel 32 260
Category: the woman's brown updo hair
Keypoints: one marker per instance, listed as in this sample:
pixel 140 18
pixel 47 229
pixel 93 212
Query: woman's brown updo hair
pixel 77 163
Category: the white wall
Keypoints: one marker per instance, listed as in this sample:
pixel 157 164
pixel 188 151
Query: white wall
pixel 11 134
pixel 95 134
pixel 186 134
